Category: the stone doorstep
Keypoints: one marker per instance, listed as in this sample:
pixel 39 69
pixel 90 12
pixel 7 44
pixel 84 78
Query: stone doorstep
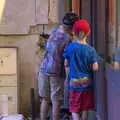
pixel 12 117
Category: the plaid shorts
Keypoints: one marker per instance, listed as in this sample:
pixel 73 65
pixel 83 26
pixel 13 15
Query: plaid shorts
pixel 50 87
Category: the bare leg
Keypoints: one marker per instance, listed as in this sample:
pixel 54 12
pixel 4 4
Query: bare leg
pixel 75 116
pixel 84 115
pixel 44 109
pixel 56 110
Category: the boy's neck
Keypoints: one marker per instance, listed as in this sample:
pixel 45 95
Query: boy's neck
pixel 82 41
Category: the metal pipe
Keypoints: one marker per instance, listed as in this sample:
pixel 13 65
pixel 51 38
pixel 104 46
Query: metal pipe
pixel 92 22
pixel 80 9
pixel 106 52
pixel 32 96
pixel 76 6
pixel 116 24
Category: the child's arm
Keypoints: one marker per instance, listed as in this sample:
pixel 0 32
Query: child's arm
pixel 66 67
pixel 94 60
pixel 66 60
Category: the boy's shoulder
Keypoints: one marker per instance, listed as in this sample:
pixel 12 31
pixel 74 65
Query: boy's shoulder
pixel 90 47
pixel 60 31
pixel 76 43
pixel 57 29
pixel 87 46
pixel 73 43
pixel 57 33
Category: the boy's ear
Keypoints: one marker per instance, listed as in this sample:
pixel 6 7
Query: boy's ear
pixel 81 34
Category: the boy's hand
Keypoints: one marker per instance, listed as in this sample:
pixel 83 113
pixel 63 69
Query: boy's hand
pixel 95 66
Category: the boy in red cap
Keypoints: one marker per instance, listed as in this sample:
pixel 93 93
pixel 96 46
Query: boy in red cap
pixel 82 59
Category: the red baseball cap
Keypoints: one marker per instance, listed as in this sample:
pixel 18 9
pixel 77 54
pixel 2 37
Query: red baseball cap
pixel 81 26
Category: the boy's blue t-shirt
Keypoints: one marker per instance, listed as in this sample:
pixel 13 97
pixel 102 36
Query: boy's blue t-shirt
pixel 80 57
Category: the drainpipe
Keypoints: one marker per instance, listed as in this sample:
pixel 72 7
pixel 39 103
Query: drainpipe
pixel 116 25
pixel 92 23
pixel 76 6
pixel 106 52
pixel 80 10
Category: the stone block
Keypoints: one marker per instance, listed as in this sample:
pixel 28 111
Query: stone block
pixel 42 8
pixel 16 16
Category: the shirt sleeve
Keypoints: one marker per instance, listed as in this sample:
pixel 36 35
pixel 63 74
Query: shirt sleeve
pixel 94 56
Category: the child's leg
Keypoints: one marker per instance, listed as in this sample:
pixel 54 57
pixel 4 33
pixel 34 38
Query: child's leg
pixel 44 109
pixel 75 116
pixel 75 104
pixel 56 86
pixel 43 85
pixel 84 115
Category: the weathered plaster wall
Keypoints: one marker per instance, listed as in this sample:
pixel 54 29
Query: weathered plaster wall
pixel 18 15
pixel 56 11
pixel 21 22
pixel 26 64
